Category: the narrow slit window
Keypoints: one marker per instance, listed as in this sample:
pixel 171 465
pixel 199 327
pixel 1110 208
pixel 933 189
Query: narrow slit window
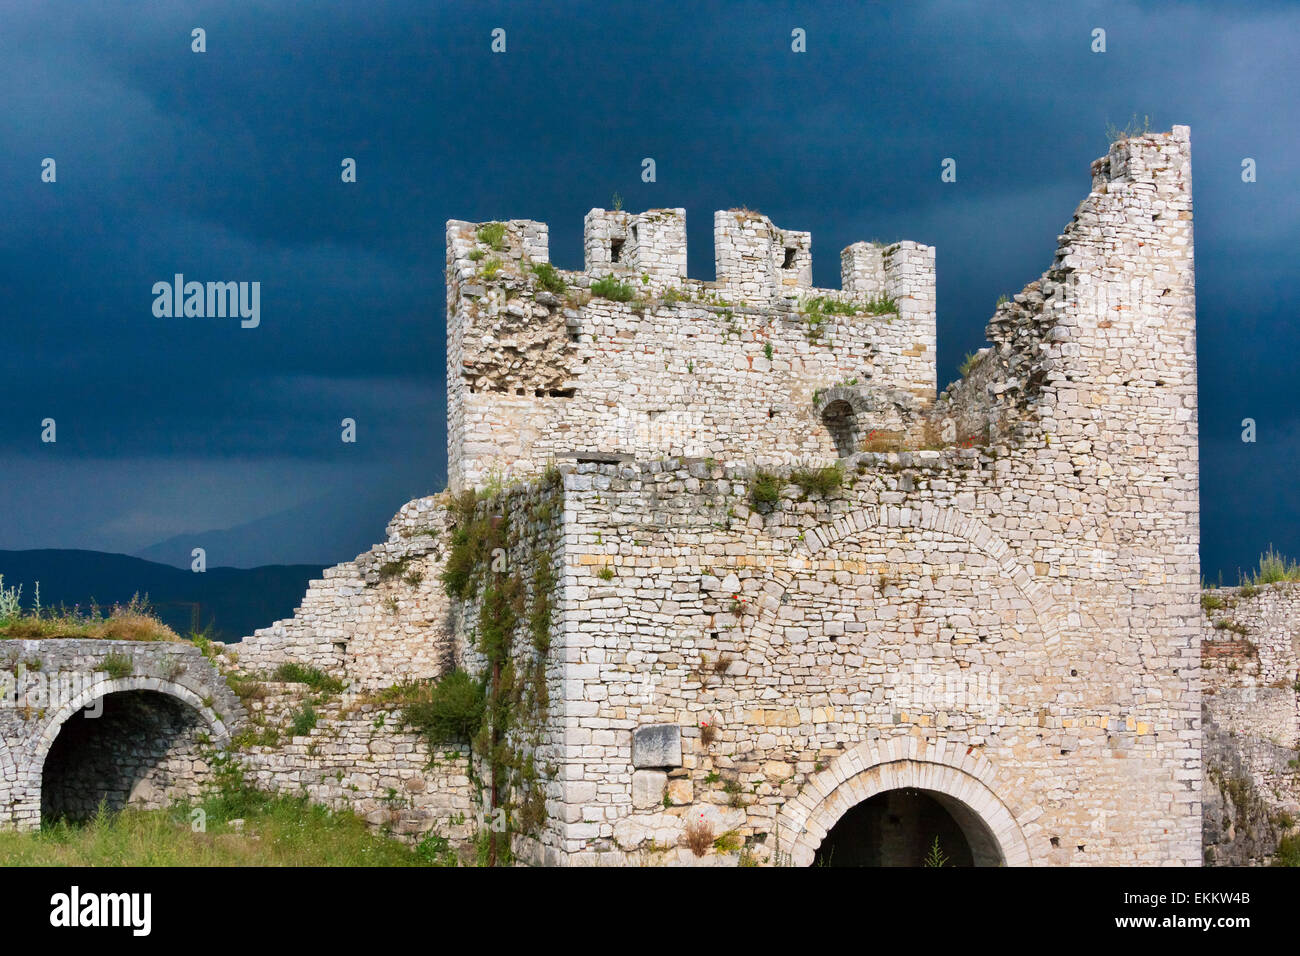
pixel 616 250
pixel 790 253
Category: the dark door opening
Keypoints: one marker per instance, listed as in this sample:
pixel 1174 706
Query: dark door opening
pixel 895 828
pixel 843 425
pixel 142 750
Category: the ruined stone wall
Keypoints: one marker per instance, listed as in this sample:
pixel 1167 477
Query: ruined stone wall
pixel 1250 642
pixel 1246 810
pixel 1012 624
pixel 374 621
pixel 1265 617
pixel 380 620
pixel 360 757
pixel 726 369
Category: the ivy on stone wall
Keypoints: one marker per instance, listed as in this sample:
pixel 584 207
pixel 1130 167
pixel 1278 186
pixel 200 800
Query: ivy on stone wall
pixel 501 709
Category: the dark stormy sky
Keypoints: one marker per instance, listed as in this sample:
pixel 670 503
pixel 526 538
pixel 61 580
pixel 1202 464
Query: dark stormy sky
pixel 225 166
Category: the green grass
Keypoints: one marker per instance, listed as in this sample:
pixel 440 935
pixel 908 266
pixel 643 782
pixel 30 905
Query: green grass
pixel 446 711
pixel 824 305
pixel 277 831
pixel 1274 569
pixel 116 666
pixel 133 621
pixel 1132 128
pixel 818 481
pixel 549 278
pixel 818 310
pixel 1288 851
pixel 611 288
pixel 316 679
pixel 492 235
pixel 304 722
pixel 764 488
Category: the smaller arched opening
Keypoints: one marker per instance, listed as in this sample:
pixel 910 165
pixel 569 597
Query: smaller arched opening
pixel 909 827
pixel 138 748
pixel 844 426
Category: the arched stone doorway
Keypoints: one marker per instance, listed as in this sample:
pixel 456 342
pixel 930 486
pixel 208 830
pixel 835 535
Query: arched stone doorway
pixel 133 741
pixel 140 750
pixel 948 774
pixel 904 828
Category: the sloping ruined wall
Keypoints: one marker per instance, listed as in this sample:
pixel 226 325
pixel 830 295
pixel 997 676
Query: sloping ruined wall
pixel 375 621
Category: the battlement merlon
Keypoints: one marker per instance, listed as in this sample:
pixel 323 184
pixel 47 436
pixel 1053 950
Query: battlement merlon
pixel 650 244
pixel 757 263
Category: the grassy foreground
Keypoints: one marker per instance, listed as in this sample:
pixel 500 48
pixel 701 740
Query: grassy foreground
pixel 277 831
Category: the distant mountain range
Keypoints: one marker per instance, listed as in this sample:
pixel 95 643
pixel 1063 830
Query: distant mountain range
pixel 233 601
pixel 329 530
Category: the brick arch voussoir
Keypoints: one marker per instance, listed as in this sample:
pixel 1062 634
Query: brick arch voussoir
pixel 952 522
pixel 53 723
pixel 8 777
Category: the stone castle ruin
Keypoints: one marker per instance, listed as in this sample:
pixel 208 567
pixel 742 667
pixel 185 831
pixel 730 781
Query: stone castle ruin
pixel 724 580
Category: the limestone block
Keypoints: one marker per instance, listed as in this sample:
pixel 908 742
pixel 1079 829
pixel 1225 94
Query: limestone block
pixel 648 788
pixel 681 791
pixel 657 745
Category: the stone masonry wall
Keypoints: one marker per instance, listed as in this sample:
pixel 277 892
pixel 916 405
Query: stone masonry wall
pixel 359 757
pixel 375 621
pixel 1049 580
pixel 382 620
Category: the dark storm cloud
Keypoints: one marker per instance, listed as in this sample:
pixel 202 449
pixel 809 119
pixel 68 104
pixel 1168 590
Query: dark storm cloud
pixel 225 166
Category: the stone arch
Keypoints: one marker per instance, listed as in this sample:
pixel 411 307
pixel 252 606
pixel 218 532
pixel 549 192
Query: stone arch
pixel 849 411
pixel 939 518
pixel 53 724
pixel 856 399
pixel 843 410
pixel 967 781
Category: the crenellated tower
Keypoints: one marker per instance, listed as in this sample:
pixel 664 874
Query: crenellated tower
pixel 632 357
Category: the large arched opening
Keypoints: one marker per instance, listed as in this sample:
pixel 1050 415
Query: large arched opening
pixel 137 748
pixel 933 788
pixel 909 827
pixel 132 741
